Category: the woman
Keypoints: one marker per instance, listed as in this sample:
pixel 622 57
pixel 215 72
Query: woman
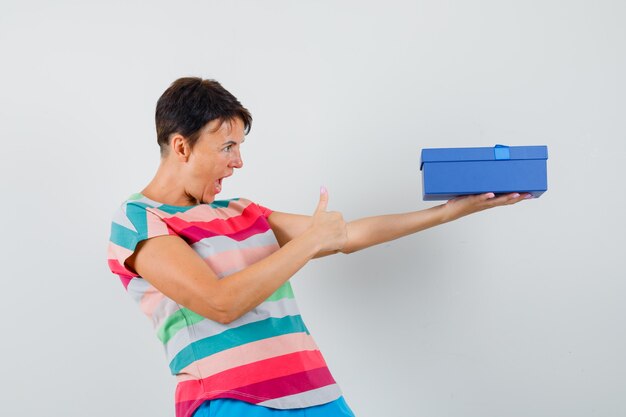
pixel 214 275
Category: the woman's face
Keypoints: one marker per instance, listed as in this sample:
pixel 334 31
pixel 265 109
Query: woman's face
pixel 214 157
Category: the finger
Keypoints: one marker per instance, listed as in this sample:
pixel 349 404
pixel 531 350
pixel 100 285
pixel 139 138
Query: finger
pixel 507 199
pixel 521 197
pixel 514 198
pixel 323 203
pixel 499 200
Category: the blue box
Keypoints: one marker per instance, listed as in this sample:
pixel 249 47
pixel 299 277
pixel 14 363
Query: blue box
pixel 451 172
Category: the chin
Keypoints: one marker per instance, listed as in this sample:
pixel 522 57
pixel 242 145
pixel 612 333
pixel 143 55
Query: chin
pixel 208 199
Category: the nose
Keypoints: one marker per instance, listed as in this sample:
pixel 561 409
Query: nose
pixel 236 161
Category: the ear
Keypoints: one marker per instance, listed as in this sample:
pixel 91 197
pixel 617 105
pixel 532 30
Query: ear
pixel 180 147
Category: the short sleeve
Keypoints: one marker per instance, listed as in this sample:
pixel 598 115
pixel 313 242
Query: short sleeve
pixel 264 211
pixel 132 223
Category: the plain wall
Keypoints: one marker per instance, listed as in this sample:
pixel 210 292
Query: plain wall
pixel 516 311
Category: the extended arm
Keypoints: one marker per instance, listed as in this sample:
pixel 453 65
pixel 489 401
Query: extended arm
pixel 370 231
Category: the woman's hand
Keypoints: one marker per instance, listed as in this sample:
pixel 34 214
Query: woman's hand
pixel 328 227
pixel 462 206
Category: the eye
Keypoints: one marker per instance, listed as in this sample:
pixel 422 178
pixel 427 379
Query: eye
pixel 228 148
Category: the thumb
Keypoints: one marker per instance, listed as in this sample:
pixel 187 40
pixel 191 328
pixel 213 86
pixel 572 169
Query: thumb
pixel 321 206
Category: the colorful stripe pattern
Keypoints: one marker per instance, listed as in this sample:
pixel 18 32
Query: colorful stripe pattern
pixel 265 357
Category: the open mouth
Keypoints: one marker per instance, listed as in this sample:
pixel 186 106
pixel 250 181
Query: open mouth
pixel 218 183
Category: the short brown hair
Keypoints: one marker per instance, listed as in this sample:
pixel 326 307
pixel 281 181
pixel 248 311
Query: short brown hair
pixel 189 104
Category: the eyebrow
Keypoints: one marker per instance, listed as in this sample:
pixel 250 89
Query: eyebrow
pixel 232 142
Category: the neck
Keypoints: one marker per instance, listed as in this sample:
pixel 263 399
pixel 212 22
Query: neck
pixel 168 187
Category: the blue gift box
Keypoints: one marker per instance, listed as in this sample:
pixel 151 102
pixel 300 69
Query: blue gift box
pixel 451 172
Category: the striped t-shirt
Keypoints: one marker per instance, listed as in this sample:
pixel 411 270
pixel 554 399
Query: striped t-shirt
pixel 267 356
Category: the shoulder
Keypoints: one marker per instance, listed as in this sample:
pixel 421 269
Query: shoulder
pixel 134 218
pixel 242 205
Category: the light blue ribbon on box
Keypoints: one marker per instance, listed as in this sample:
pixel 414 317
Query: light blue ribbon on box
pixel 501 152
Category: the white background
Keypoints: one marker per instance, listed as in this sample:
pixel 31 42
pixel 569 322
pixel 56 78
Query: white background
pixel 514 312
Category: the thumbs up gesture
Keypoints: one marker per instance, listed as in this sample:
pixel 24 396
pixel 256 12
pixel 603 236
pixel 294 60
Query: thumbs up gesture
pixel 328 226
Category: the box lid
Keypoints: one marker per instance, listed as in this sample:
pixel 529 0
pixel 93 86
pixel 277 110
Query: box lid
pixel 498 152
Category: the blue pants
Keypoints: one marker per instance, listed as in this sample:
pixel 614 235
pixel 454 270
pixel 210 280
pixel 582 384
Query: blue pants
pixel 224 407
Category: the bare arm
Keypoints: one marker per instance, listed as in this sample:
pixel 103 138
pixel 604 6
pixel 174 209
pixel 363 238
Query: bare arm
pixel 170 265
pixel 369 231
